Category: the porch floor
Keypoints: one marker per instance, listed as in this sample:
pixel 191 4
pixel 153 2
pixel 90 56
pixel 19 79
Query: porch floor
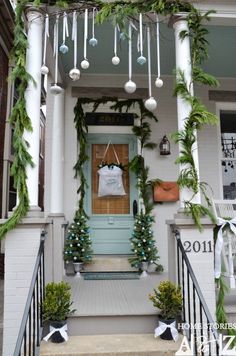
pixel 114 297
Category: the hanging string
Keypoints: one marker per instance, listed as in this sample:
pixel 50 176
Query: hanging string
pixel 56 47
pixel 130 51
pixel 85 32
pixel 93 23
pixel 158 48
pixel 65 27
pixel 141 33
pixel 115 41
pixel 46 35
pixel 74 37
pixel 149 62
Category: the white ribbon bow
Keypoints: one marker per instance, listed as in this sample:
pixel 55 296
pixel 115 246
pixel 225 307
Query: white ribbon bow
pixel 62 331
pixel 162 328
pixel 219 242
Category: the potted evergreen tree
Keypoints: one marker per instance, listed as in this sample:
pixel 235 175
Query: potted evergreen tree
pixel 56 307
pixel 168 299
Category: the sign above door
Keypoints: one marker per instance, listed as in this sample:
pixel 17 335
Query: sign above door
pixel 109 119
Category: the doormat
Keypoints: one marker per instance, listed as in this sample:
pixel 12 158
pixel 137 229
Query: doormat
pixel 110 275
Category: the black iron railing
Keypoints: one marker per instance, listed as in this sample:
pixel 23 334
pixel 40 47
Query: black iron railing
pixel 197 322
pixel 29 337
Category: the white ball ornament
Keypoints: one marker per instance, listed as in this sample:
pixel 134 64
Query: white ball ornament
pixel 115 60
pixel 55 89
pixel 74 74
pixel 84 64
pixel 44 69
pixel 130 87
pixel 150 104
pixel 159 83
pixel 141 60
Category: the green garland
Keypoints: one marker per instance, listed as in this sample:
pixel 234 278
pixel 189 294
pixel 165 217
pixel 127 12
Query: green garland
pixel 20 122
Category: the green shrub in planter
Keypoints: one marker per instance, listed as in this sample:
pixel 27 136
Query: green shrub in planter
pixel 57 303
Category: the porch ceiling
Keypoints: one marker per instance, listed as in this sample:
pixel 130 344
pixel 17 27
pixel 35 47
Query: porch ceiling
pixel 221 62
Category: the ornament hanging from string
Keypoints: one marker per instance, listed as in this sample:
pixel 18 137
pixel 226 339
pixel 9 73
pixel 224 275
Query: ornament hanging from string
pixel 93 41
pixel 141 59
pixel 44 68
pixel 159 81
pixel 74 72
pixel 130 86
pixel 85 63
pixel 150 103
pixel 115 59
pixel 65 33
pixel 55 88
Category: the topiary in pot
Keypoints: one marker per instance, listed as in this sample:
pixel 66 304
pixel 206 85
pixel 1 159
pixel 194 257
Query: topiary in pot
pixel 168 299
pixel 56 307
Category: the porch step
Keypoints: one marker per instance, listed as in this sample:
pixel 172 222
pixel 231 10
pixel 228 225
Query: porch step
pixel 111 345
pixel 109 263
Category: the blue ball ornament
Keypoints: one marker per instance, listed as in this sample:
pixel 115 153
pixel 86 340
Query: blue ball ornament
pixel 63 48
pixel 93 42
pixel 141 60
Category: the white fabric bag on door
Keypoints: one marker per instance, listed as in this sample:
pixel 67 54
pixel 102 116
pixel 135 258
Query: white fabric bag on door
pixel 110 178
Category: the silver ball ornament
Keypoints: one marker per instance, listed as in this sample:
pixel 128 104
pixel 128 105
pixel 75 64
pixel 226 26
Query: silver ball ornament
pixel 74 74
pixel 44 69
pixel 115 60
pixel 159 83
pixel 55 89
pixel 130 87
pixel 84 64
pixel 150 104
pixel 93 42
pixel 141 60
pixel 63 48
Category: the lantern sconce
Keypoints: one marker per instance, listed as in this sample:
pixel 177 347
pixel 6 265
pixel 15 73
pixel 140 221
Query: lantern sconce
pixel 164 146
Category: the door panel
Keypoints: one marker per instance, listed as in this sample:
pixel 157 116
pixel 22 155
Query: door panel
pixel 111 219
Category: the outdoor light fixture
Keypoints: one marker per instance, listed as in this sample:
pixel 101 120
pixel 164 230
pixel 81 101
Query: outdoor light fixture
pixel 164 146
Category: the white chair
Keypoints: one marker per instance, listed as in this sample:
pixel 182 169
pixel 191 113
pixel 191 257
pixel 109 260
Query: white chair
pixel 226 209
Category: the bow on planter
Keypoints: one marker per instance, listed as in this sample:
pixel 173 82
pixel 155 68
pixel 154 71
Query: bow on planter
pixel 62 331
pixel 219 242
pixel 162 328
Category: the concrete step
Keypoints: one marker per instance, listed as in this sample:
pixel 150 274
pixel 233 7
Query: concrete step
pixel 111 345
pixel 109 263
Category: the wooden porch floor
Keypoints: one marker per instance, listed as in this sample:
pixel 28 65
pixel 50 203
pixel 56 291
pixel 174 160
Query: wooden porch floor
pixel 114 297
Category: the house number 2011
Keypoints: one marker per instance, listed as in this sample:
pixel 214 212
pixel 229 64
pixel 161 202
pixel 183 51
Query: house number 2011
pixel 197 246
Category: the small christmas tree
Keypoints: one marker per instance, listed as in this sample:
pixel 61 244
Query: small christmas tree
pixel 78 243
pixel 142 241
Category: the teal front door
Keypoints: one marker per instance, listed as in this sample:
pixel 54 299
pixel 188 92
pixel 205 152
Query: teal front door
pixel 111 217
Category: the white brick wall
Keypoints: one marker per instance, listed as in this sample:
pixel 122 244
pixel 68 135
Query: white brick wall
pixel 21 248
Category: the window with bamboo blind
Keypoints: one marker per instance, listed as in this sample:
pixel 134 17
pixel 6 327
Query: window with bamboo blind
pixel 110 204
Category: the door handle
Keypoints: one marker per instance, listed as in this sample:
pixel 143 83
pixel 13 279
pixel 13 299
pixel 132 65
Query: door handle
pixel 135 208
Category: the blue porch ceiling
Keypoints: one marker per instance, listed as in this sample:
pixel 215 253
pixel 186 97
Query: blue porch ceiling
pixel 221 62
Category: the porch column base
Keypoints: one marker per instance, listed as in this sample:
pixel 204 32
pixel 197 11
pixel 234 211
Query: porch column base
pixel 199 247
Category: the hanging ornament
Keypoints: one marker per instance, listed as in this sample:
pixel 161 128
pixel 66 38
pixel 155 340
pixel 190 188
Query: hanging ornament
pixel 55 88
pixel 122 36
pixel 85 63
pixel 150 104
pixel 64 48
pixel 93 41
pixel 115 60
pixel 130 86
pixel 74 72
pixel 141 59
pixel 159 81
pixel 44 68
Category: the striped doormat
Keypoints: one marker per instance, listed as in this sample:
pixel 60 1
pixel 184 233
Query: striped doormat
pixel 110 275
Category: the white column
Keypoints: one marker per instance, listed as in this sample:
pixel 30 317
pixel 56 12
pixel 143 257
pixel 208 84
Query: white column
pixel 183 63
pixel 33 97
pixel 56 194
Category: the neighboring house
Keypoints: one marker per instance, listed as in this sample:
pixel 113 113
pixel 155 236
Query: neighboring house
pixel 215 150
